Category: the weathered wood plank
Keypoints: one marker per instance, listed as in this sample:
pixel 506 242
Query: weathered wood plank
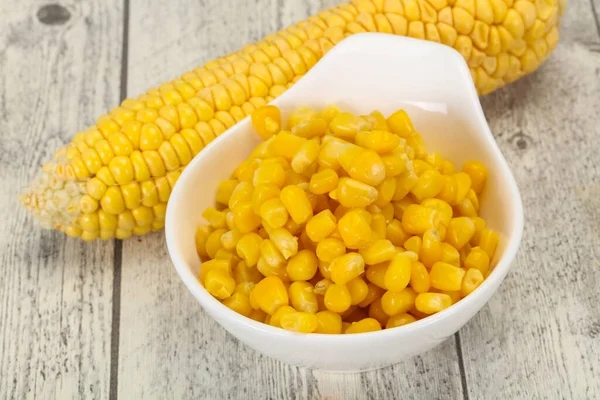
pixel 169 347
pixel 56 77
pixel 539 336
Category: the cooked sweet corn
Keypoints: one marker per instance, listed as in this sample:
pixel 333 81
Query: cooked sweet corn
pixel 334 228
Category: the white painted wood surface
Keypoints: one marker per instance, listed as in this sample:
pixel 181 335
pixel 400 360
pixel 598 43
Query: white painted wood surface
pixel 539 337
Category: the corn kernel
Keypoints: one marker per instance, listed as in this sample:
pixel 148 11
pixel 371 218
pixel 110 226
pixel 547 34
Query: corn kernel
pixel 374 292
pixel 385 191
pixel 323 181
pixel 284 242
pixel 346 125
pixel 258 315
pixel 241 194
pixel 460 231
pixel 225 190
pixel 310 128
pixel 215 218
pixel 245 274
pixel 270 294
pixel 330 248
pixel 400 320
pixel 378 227
pixel 413 244
pixel 245 171
pixel 322 285
pixel 297 204
pixel 478 259
pixel 293 227
pixel 431 303
pixel 352 193
pixel 366 167
pixel 358 289
pixel 248 248
pixel 445 210
pixel 354 230
pixel 429 184
pixel 395 233
pixel 239 303
pixel 321 225
pixel 400 124
pixel 324 269
pixel 275 319
pixel 219 284
pixel 329 322
pixel 303 297
pixel 244 218
pixel 419 278
pixel 268 270
pixel 479 227
pixel 364 325
pixel 431 248
pixel 417 219
pixel 213 242
pixel 305 157
pixel 450 255
pixel 202 234
pixel 299 322
pixel 300 114
pixel 220 265
pixel 346 267
pixel 337 298
pixel 274 213
pixel 395 303
pixel 488 242
pixel 376 274
pixel 271 254
pixel 266 121
pixel 473 278
pixel 397 274
pixel 303 266
pixel 378 251
pixel 380 141
pixel 376 312
pixel 446 276
pixel 287 145
pixel 477 171
pixel 269 174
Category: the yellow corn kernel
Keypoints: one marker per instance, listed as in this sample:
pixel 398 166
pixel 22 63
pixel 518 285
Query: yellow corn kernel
pixel 321 225
pixel 373 293
pixel 303 266
pixel 463 185
pixel 400 320
pixel 215 218
pixel 303 297
pixel 213 242
pixel 328 322
pixel 245 274
pixel 354 230
pixel 244 218
pixel 466 208
pixel 267 270
pixel 446 277
pixel 323 181
pixel 224 254
pixel 270 294
pixel 337 298
pixel 473 278
pixel 352 193
pixel 241 194
pixel 395 303
pixel 428 186
pixel 305 157
pixel 346 267
pixel 450 255
pixel 404 184
pixel 488 242
pixel 346 125
pixel 300 114
pixel 413 244
pixel 258 315
pixel 365 166
pixel 219 265
pixel 285 242
pixel 385 191
pixel 287 145
pixel 460 231
pixel 293 227
pixel 239 303
pixel 380 141
pixel 478 173
pixel 445 210
pixel 478 259
pixel 261 194
pixel 376 274
pixel 395 233
pixel 269 174
pixel 297 203
pixel 378 226
pixel 398 273
pixel 400 124
pixel 248 248
pixel 364 325
pixel 431 303
pixel 395 164
pixel 379 251
pixel 330 248
pixel 275 319
pixel 358 289
pixel 431 248
pixel 245 171
pixel 219 284
pixel 266 121
pixel 419 278
pixel 310 128
pixel 303 322
pixel 324 269
pixel 417 219
pixel 274 213
pixel 230 239
pixel 376 312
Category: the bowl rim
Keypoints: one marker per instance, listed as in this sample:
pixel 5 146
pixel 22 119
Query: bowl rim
pixel 492 282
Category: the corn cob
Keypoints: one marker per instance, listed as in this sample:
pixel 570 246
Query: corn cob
pixel 115 178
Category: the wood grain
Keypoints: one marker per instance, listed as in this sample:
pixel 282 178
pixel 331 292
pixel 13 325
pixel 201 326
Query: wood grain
pixel 539 336
pixel 169 347
pixel 55 293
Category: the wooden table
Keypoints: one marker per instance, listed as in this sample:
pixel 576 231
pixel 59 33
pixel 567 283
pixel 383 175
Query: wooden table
pixel 112 319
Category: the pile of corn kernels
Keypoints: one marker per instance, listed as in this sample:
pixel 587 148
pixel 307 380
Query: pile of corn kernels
pixel 342 223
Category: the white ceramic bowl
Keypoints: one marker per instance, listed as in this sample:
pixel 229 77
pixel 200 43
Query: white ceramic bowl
pixel 363 73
